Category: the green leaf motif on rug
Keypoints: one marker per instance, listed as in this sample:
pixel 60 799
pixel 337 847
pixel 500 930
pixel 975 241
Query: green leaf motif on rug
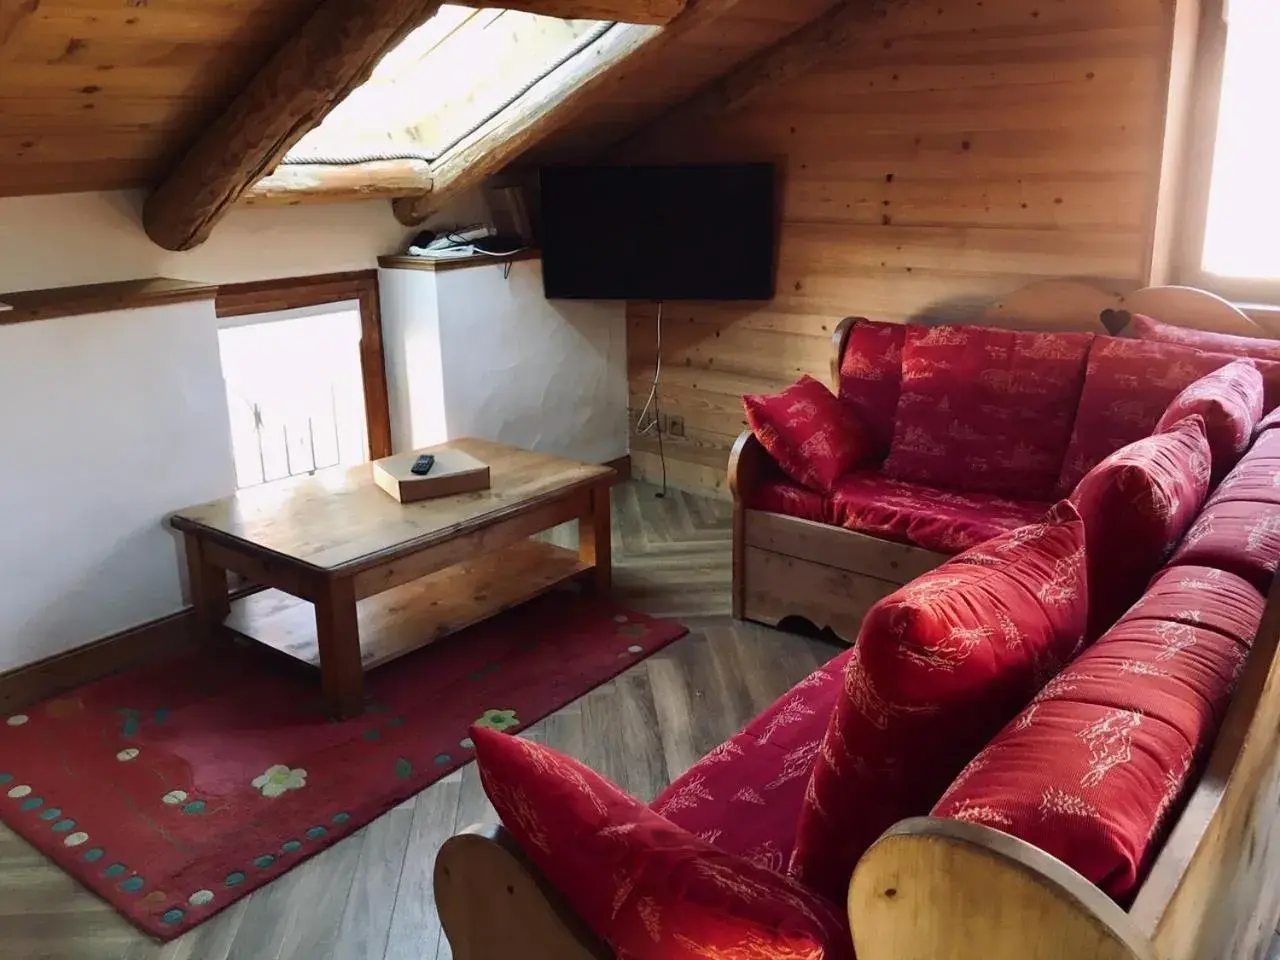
pixel 404 768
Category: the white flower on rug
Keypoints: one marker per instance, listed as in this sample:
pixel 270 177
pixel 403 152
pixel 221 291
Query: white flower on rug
pixel 279 779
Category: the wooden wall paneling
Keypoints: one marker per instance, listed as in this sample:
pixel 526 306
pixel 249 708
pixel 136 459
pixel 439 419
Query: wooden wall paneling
pixel 945 157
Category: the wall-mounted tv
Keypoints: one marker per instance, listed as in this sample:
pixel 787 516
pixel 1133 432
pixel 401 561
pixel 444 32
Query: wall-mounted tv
pixel 696 232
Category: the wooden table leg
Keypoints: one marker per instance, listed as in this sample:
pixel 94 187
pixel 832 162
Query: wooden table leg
pixel 208 585
pixel 338 636
pixel 595 540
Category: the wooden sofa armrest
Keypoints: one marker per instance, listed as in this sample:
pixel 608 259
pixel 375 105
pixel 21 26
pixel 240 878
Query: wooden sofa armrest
pixel 748 463
pixel 495 904
pixel 839 340
pixel 949 890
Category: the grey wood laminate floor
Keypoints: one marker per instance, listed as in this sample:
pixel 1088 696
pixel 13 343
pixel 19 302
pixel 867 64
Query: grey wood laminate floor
pixel 369 897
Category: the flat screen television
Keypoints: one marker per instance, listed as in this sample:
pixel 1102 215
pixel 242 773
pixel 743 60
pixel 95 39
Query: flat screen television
pixel 697 232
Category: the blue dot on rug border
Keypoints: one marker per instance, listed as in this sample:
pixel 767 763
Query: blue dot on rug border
pixel 94 854
pixel 264 861
pixel 442 759
pixel 62 826
pixel 6 777
pixel 341 817
pixel 114 870
pixel 53 813
pixel 195 806
pixel 315 833
pixel 132 885
pixel 290 846
pixel 373 733
pixel 234 878
pixel 31 803
pixel 173 916
pixel 396 722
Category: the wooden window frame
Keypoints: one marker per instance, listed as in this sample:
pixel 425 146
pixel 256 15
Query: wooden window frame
pixel 268 296
pixel 1199 141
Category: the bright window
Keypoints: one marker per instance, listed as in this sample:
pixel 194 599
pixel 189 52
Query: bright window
pixel 444 81
pixel 1242 232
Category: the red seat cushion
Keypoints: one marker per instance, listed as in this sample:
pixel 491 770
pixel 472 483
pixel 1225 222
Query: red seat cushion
pixel 1257 476
pixel 1092 771
pixel 1136 505
pixel 745 795
pixel 1128 387
pixel 938 668
pixel 780 495
pixel 811 434
pixel 1230 402
pixel 1238 536
pixel 1148 328
pixel 946 521
pixel 986 410
pixel 1202 596
pixel 871 376
pixel 650 889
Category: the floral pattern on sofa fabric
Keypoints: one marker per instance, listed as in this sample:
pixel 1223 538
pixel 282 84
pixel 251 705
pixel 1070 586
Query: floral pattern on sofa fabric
pixel 1148 328
pixel 1136 505
pixel 809 432
pixel 1257 476
pixel 744 796
pixel 650 889
pixel 945 521
pixel 780 495
pixel 1238 536
pixel 871 376
pixel 1093 771
pixel 939 667
pixel 1230 402
pixel 986 410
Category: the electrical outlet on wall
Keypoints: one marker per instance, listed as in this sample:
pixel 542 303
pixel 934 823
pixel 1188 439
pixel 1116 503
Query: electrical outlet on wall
pixel 677 426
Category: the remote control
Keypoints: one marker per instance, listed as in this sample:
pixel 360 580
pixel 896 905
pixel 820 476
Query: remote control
pixel 422 466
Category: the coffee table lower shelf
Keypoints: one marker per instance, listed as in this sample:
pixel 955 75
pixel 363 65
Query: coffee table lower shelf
pixel 411 616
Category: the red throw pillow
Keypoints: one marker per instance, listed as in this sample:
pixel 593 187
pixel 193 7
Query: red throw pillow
pixel 1136 505
pixel 871 376
pixel 809 432
pixel 985 410
pixel 1128 387
pixel 650 889
pixel 938 668
pixel 1093 771
pixel 1148 328
pixel 1230 401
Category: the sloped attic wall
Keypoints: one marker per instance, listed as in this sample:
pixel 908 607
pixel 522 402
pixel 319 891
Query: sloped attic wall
pixel 952 154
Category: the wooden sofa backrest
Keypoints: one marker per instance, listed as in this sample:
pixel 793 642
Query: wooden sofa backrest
pixel 1189 307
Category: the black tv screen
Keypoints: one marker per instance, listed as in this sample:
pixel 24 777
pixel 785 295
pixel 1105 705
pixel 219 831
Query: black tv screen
pixel 702 232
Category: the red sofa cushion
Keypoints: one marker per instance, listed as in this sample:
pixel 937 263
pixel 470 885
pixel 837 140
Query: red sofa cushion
pixel 1230 402
pixel 1092 771
pixel 986 410
pixel 938 668
pixel 780 495
pixel 1238 536
pixel 1257 476
pixel 1148 328
pixel 1203 597
pixel 744 796
pixel 871 376
pixel 812 435
pixel 946 521
pixel 1128 387
pixel 644 885
pixel 1136 505
pixel 1270 421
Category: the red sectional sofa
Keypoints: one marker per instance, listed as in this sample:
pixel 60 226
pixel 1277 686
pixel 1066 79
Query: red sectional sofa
pixel 994 768
pixel 972 432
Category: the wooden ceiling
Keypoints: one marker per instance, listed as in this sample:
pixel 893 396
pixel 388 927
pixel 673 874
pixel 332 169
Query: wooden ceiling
pixel 111 94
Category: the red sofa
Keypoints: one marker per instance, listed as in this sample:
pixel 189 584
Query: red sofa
pixel 827 556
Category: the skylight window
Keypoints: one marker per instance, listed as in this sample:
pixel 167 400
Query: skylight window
pixel 443 82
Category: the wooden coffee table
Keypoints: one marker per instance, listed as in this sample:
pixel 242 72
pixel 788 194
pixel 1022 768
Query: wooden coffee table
pixel 358 579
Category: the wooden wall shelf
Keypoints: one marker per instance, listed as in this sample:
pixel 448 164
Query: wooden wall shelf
pixel 406 262
pixel 31 305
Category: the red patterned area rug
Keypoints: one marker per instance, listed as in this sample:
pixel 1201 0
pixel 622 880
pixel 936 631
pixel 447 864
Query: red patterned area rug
pixel 174 789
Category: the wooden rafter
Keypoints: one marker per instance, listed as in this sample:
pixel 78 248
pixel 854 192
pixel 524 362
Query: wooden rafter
pixel 622 11
pixel 785 60
pixel 295 183
pixel 332 54
pixel 591 77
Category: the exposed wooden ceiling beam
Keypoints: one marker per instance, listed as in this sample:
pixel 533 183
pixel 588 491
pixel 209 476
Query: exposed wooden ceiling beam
pixel 592 75
pixel 332 54
pixel 789 58
pixel 623 11
pixel 295 183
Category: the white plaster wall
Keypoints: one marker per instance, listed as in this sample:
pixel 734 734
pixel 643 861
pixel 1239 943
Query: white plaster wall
pixel 110 422
pixel 411 348
pixel 519 369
